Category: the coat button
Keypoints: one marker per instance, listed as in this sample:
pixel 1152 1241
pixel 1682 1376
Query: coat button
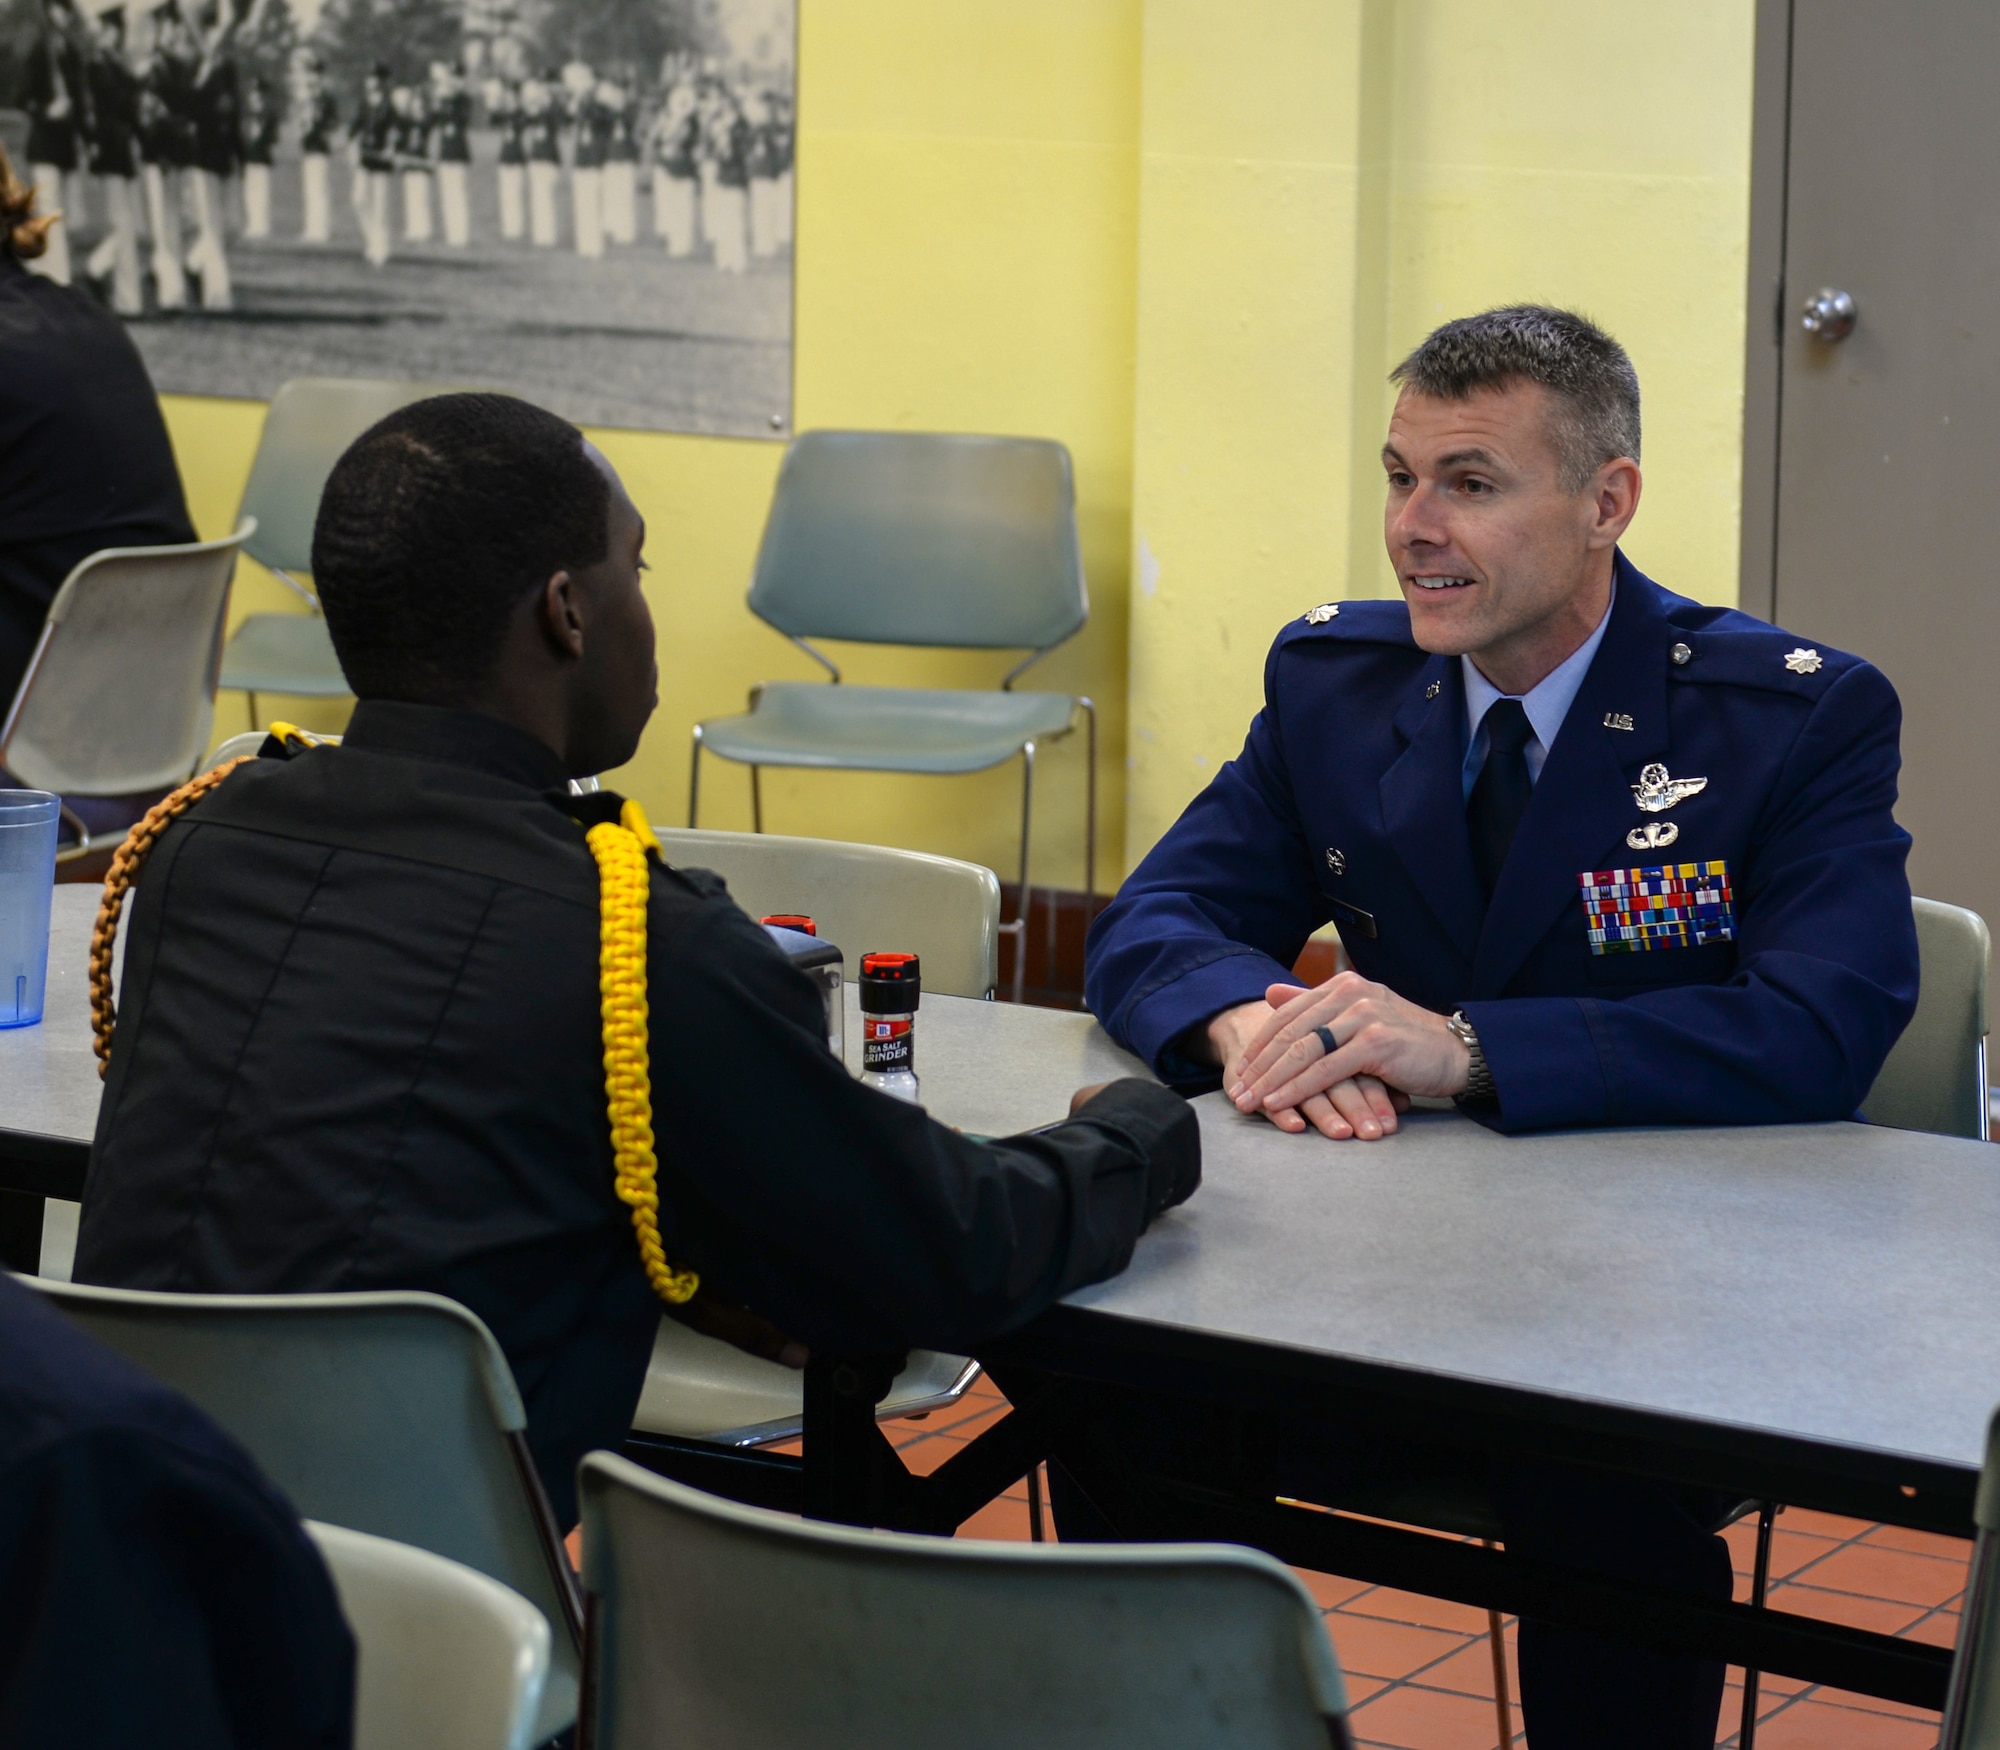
pixel 1681 654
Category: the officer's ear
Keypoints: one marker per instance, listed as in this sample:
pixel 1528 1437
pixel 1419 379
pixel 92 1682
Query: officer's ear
pixel 1614 501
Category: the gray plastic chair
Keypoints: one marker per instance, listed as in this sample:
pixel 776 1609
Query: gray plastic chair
pixel 862 897
pixel 119 697
pixel 390 1413
pixel 447 1658
pixel 916 538
pixel 311 422
pixel 1972 1702
pixel 737 1629
pixel 1935 1078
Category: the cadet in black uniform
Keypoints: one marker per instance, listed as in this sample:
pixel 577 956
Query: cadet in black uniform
pixel 113 90
pixel 166 146
pixel 503 110
pixel 412 142
pixel 54 102
pixel 154 1588
pixel 360 1044
pixel 216 114
pixel 322 128
pixel 374 164
pixel 262 116
pixel 451 105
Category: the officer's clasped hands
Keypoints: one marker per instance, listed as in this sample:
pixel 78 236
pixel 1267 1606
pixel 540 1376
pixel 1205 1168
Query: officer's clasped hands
pixel 1344 1057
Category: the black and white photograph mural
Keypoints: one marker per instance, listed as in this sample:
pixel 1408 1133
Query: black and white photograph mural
pixel 586 202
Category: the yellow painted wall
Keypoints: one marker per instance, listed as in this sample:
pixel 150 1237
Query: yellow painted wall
pixel 1188 240
pixel 967 252
pixel 1459 155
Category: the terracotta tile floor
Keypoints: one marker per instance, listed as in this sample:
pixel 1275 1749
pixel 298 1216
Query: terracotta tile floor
pixel 1420 1672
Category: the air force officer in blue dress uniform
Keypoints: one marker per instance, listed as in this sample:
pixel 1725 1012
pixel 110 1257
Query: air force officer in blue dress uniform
pixel 1599 855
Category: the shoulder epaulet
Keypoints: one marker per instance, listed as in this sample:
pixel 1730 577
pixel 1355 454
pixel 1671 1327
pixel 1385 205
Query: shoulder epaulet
pixel 1375 621
pixel 1742 652
pixel 284 741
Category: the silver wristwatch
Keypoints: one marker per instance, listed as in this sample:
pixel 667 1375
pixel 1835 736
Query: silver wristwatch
pixel 1478 1079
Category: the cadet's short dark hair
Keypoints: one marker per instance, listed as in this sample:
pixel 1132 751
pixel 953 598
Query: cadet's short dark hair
pixel 1588 373
pixel 435 524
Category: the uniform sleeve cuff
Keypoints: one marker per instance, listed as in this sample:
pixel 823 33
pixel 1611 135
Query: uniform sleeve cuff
pixel 1548 1072
pixel 1160 1019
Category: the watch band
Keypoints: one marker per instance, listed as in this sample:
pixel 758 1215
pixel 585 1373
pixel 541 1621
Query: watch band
pixel 1479 1090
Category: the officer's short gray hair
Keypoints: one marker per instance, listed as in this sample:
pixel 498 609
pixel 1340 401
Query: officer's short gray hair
pixel 1589 375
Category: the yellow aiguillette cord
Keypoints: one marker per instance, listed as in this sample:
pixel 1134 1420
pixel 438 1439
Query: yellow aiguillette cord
pixel 624 883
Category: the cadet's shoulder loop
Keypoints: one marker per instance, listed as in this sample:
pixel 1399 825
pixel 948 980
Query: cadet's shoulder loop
pixel 621 848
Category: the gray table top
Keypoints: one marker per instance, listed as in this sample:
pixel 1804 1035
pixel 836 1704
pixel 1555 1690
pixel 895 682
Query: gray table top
pixel 1835 1283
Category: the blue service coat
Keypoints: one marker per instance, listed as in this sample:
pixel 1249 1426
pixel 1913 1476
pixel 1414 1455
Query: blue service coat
pixel 1346 805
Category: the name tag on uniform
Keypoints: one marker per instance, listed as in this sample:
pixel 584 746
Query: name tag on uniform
pixel 1674 905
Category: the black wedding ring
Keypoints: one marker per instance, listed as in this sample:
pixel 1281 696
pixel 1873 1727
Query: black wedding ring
pixel 1325 1037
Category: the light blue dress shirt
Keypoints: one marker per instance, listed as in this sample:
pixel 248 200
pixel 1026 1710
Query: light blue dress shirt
pixel 1547 703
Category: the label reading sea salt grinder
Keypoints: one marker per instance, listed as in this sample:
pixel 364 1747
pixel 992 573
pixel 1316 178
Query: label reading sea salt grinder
pixel 891 987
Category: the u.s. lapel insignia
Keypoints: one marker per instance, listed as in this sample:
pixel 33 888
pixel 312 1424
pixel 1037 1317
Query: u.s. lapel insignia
pixel 1336 861
pixel 1324 612
pixel 1803 661
pixel 1654 835
pixel 1617 720
pixel 1431 691
pixel 1656 792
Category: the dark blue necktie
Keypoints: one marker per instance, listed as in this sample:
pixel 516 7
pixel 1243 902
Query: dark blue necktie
pixel 1501 791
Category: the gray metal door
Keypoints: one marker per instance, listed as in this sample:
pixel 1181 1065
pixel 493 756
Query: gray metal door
pixel 1885 534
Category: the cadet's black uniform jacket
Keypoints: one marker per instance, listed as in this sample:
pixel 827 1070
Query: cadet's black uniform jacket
pixel 359 1047
pixel 155 1589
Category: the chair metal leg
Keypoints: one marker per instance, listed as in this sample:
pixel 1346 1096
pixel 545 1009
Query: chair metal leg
pixel 1018 929
pixel 756 800
pixel 1089 812
pixel 1967 1669
pixel 694 780
pixel 1760 1584
pixel 1035 1532
pixel 1503 1699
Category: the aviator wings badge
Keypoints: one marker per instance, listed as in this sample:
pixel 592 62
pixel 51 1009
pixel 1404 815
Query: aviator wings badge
pixel 1656 792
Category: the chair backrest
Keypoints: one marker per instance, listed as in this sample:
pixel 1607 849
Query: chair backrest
pixel 120 696
pixel 1935 1077
pixel 730 1626
pixel 447 1658
pixel 310 422
pixel 863 898
pixel 923 538
pixel 391 1413
pixel 1972 1700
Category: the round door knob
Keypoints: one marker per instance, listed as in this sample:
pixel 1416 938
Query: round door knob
pixel 1829 315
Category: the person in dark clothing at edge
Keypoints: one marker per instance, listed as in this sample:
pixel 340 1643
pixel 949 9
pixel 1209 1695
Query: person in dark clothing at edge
pixel 155 1589
pixel 360 1038
pixel 84 459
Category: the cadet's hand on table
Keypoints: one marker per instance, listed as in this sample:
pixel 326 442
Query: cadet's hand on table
pixel 1387 1045
pixel 1359 1106
pixel 1083 1096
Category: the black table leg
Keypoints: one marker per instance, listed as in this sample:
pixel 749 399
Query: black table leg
pixel 845 1478
pixel 20 1231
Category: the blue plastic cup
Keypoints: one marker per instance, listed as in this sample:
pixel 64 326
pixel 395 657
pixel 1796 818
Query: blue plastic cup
pixel 28 822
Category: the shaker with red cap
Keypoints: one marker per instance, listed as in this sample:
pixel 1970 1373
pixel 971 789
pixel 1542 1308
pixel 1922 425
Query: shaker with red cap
pixel 891 987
